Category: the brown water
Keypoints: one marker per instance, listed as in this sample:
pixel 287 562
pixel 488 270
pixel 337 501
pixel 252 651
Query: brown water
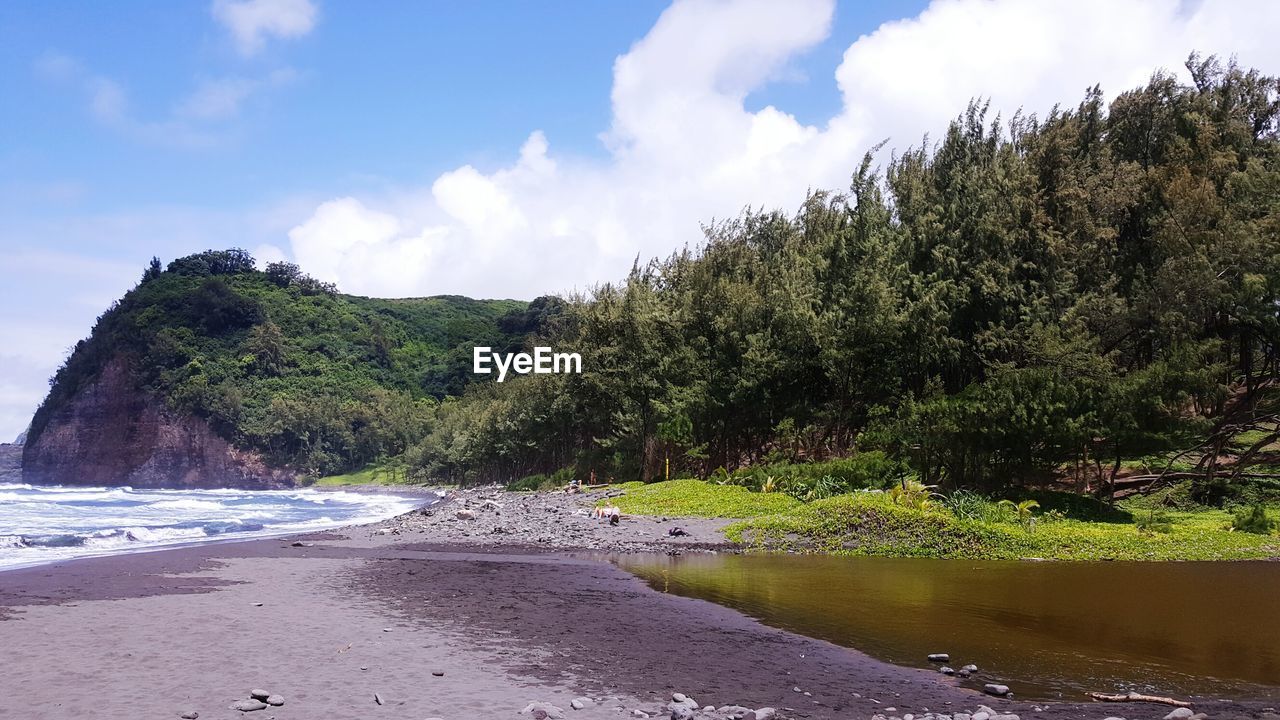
pixel 1048 630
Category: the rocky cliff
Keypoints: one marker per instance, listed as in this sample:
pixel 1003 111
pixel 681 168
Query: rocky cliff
pixel 10 463
pixel 112 433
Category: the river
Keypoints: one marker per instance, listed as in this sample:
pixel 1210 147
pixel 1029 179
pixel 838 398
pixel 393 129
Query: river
pixel 1049 630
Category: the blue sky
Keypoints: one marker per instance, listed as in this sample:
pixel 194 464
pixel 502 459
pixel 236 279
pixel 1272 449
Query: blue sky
pixel 494 149
pixel 397 95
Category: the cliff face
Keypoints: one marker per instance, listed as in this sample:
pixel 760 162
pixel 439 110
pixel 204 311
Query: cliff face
pixel 10 463
pixel 112 433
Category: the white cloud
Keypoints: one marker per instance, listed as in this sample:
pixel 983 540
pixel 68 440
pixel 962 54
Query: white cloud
pixel 684 149
pixel 251 22
pixel 222 98
pixel 199 120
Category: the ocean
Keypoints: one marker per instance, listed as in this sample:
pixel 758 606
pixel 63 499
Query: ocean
pixel 41 524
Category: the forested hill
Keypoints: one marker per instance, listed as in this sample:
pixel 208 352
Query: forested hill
pixel 282 365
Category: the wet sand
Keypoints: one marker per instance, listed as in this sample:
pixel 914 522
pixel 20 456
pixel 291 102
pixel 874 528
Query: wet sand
pixel 378 609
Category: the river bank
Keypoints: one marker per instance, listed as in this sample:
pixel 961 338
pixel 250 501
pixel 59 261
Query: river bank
pixel 338 621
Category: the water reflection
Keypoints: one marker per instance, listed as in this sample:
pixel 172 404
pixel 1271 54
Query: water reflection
pixel 1048 630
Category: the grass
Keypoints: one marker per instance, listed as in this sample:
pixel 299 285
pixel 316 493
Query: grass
pixel 371 475
pixel 695 498
pixel 870 523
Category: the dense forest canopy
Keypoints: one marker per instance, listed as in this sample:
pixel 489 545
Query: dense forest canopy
pixel 1023 294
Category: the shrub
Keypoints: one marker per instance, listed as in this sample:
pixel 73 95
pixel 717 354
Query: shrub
pixel 912 494
pixel 969 505
pixel 815 480
pixel 539 481
pixel 1253 519
pixel 1155 521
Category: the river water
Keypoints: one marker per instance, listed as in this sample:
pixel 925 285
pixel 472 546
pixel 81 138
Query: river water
pixel 1049 630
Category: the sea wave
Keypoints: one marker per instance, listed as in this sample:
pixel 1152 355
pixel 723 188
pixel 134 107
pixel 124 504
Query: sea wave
pixel 47 524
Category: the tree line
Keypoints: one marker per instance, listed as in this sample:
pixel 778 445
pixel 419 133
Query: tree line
pixel 1025 294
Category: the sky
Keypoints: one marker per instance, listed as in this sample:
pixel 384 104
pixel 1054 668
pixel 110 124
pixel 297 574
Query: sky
pixel 490 149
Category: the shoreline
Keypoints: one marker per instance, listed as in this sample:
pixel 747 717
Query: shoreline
pixel 508 623
pixel 427 496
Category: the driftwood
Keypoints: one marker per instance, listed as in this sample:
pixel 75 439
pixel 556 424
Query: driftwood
pixel 1138 697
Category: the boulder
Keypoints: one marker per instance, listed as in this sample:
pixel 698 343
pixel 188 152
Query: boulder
pixel 541 711
pixel 996 689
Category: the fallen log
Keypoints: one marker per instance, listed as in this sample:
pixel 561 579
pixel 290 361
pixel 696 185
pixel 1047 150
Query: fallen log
pixel 1138 697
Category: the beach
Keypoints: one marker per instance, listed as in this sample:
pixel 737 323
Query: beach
pixel 430 616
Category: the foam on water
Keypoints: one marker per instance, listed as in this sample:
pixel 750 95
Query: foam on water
pixel 45 524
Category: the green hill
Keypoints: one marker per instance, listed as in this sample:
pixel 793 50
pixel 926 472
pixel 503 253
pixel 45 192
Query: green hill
pixel 281 364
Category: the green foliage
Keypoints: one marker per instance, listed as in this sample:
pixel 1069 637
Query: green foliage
pixel 1253 519
pixel 1155 520
pixel 912 494
pixel 873 524
pixel 970 505
pixel 528 483
pixel 1023 511
pixel 1021 296
pixel 322 382
pixel 808 480
pixel 686 498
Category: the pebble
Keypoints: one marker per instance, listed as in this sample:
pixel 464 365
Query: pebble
pixel 639 714
pixel 1115 718
pixel 764 713
pixel 248 705
pixel 946 670
pixel 189 715
pixel 274 700
pixel 377 699
pixel 579 703
pixel 939 657
pixel 970 668
pixel 1179 714
pixel 438 673
pixel 259 694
